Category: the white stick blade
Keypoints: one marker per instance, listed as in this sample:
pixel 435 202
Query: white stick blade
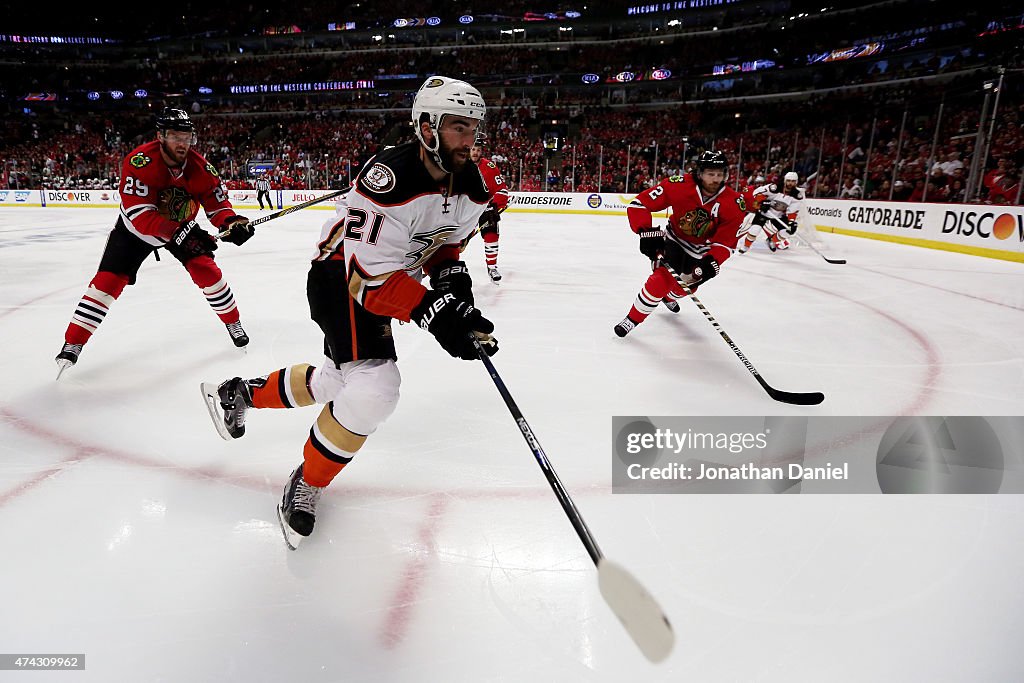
pixel 640 614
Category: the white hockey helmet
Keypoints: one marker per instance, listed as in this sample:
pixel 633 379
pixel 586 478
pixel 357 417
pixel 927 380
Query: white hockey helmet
pixel 440 96
pixel 792 176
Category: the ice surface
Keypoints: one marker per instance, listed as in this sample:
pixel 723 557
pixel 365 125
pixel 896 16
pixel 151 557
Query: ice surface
pixel 131 532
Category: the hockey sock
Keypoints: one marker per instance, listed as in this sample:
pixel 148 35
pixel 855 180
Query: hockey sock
pixel 654 290
pixel 284 388
pixel 207 275
pixel 93 306
pixel 491 249
pixel 328 449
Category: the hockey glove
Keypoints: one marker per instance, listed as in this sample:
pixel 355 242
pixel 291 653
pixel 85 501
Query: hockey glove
pixel 489 220
pixel 705 269
pixel 452 277
pixel 791 227
pixel 190 241
pixel 451 320
pixel 652 243
pixel 236 230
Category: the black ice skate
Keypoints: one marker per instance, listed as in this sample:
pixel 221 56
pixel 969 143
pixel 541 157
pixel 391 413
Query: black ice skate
pixel 625 327
pixel 492 271
pixel 227 405
pixel 67 357
pixel 238 335
pixel 671 304
pixel 297 509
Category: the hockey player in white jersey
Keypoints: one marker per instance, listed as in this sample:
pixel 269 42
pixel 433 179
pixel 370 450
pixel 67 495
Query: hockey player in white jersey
pixel 404 218
pixel 776 215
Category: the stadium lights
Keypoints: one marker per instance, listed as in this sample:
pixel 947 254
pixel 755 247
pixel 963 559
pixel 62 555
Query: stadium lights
pixel 674 22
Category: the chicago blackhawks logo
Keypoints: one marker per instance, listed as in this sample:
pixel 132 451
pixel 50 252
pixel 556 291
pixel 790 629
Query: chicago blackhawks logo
pixel 695 222
pixel 176 204
pixel 139 160
pixel 211 170
pixel 741 202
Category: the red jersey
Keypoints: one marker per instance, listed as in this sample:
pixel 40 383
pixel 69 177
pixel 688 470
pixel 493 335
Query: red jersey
pixel 495 183
pixel 145 176
pixel 699 225
pixel 753 201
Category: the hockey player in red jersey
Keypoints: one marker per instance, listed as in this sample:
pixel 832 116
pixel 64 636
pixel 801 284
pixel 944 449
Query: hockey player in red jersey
pixel 406 216
pixel 702 232
pixel 499 202
pixel 163 184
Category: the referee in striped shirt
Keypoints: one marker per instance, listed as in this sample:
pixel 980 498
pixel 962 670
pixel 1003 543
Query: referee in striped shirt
pixel 263 190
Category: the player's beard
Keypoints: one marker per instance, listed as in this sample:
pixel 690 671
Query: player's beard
pixel 453 161
pixel 178 157
pixel 709 188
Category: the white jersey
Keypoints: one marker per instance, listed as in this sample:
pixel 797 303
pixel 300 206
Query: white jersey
pixel 396 217
pixel 395 223
pixel 777 202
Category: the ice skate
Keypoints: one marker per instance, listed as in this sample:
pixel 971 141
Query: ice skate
pixel 625 327
pixel 671 304
pixel 495 275
pixel 238 335
pixel 227 405
pixel 297 510
pixel 67 357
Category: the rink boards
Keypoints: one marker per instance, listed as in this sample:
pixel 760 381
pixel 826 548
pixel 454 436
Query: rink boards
pixel 981 230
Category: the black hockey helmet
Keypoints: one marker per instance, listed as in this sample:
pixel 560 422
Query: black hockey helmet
pixel 174 119
pixel 710 160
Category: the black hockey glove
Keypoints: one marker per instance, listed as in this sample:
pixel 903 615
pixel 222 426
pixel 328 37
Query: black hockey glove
pixel 489 219
pixel 652 243
pixel 704 270
pixel 791 227
pixel 236 230
pixel 190 241
pixel 451 320
pixel 452 277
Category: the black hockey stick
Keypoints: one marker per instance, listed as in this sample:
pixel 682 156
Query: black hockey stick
pixel 643 619
pixel 297 207
pixel 838 261
pixel 812 398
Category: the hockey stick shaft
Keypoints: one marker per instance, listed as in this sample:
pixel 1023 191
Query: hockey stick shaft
pixel 297 207
pixel 542 459
pixel 797 398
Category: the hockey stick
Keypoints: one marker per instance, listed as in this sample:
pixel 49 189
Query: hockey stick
pixel 292 209
pixel 643 619
pixel 796 398
pixel 838 261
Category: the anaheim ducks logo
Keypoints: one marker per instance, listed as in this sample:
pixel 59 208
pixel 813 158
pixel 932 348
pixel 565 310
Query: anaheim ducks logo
pixel 379 178
pixel 139 160
pixel 434 83
pixel 695 222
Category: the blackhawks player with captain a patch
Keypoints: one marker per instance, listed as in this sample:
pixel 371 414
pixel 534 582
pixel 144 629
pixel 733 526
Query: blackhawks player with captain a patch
pixel 703 228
